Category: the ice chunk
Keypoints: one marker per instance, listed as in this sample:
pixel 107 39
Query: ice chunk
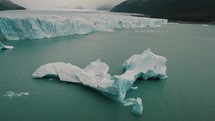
pixel 5 47
pixel 146 65
pixel 137 105
pixel 29 24
pixel 90 76
pixel 95 75
pixel 134 88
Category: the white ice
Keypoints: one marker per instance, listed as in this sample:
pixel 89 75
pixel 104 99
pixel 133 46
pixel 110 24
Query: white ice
pixel 145 65
pixel 11 94
pixel 5 47
pixel 95 75
pixel 30 24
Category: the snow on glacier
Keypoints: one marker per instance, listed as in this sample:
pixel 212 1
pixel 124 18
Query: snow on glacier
pixel 5 47
pixel 30 24
pixel 95 75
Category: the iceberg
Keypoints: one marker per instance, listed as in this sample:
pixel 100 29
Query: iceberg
pixel 146 65
pixel 95 75
pixel 5 47
pixel 38 24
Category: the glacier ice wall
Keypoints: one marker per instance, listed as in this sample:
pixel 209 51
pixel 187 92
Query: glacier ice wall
pixel 95 75
pixel 16 25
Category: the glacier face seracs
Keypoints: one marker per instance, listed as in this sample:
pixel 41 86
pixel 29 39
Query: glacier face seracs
pixel 16 25
pixel 95 75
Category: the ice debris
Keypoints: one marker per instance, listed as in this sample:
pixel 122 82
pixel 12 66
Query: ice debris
pixel 11 94
pixel 137 105
pixel 37 24
pixel 5 47
pixel 95 75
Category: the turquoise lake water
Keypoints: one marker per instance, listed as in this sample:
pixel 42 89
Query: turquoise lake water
pixel 187 95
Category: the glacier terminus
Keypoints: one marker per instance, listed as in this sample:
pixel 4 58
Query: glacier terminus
pixel 38 24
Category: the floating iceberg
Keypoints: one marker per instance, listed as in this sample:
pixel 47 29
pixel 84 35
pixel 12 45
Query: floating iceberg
pixel 29 24
pixel 5 47
pixel 146 65
pixel 95 75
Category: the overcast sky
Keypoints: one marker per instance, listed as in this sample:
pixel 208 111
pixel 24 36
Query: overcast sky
pixel 51 4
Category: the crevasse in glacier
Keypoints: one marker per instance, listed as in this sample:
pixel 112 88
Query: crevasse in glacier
pixel 95 75
pixel 5 47
pixel 29 24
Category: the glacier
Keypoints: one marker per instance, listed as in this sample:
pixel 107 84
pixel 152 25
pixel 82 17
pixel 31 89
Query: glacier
pixel 5 47
pixel 38 24
pixel 95 75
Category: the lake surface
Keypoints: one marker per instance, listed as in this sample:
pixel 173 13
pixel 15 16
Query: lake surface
pixel 187 95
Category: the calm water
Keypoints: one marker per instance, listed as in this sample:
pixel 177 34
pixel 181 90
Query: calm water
pixel 187 95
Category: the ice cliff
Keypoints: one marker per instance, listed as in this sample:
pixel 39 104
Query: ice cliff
pixel 5 47
pixel 29 24
pixel 95 75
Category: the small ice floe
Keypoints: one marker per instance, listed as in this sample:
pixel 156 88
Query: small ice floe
pixel 156 26
pixel 5 47
pixel 150 31
pixel 137 108
pixel 144 30
pixel 134 88
pixel 205 25
pixel 11 94
pixel 173 23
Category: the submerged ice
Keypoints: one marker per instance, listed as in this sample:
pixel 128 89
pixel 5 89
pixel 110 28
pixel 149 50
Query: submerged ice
pixel 95 75
pixel 16 25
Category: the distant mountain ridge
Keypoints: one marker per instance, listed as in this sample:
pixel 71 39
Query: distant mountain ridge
pixel 8 5
pixel 106 7
pixel 180 10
